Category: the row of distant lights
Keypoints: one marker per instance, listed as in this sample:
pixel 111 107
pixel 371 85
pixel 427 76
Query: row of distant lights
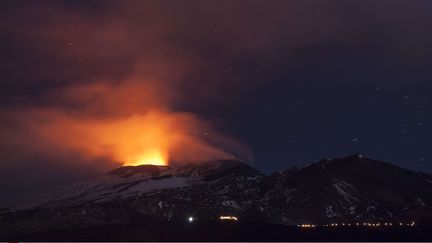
pixel 412 224
pixel 234 218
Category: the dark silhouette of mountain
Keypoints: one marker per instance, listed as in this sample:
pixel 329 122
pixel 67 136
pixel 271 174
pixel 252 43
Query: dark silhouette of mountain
pixel 349 190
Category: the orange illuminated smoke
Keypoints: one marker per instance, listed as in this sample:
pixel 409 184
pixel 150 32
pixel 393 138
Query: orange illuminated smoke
pixel 137 140
pixel 128 123
pixel 154 137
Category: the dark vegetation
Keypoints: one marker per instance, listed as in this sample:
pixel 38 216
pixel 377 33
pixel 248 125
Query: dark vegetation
pixel 236 231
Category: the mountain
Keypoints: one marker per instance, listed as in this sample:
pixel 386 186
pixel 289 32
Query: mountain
pixel 206 189
pixel 349 189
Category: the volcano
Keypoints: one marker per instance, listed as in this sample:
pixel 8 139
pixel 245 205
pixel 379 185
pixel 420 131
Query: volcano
pixel 350 189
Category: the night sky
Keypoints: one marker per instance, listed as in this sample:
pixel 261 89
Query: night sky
pixel 291 81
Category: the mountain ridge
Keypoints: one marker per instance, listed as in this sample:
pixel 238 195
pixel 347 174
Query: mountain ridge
pixel 347 189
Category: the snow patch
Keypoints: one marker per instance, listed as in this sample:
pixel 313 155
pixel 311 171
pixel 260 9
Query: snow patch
pixel 329 212
pixel 306 165
pixel 231 203
pixel 288 199
pixel 420 201
pixel 343 188
pixel 352 210
pixel 370 207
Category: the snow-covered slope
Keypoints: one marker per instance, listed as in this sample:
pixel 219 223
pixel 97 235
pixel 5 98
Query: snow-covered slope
pixel 349 189
pixel 129 183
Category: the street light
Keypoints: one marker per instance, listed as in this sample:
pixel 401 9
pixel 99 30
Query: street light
pixel 190 219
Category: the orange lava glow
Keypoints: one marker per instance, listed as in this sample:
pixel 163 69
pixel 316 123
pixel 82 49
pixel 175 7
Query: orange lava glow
pixel 128 124
pixel 153 157
pixel 137 140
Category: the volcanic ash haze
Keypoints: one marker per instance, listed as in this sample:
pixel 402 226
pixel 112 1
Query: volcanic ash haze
pixel 128 122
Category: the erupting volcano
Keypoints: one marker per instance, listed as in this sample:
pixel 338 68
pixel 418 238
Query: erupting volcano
pixel 127 123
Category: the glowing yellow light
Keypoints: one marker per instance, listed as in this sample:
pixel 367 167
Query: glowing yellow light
pixel 308 226
pixel 228 218
pixel 153 157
